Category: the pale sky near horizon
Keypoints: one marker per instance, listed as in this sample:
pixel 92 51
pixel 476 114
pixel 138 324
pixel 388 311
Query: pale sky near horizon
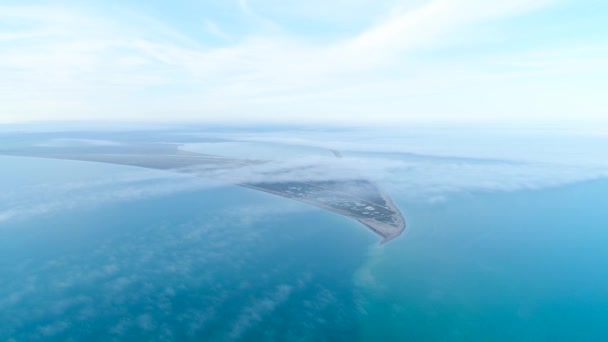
pixel 335 61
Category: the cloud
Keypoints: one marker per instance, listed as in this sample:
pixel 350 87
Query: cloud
pixel 89 65
pixel 43 199
pixel 200 274
pixel 53 329
pixel 216 30
pixel 258 310
pixel 8 214
pixel 77 142
pixel 447 166
pixel 447 161
pixel 431 23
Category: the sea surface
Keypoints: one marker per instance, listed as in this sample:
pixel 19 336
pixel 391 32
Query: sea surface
pixel 94 252
pixel 516 266
pixel 219 263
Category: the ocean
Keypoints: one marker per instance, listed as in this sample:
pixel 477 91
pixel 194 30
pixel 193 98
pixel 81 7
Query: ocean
pixel 92 251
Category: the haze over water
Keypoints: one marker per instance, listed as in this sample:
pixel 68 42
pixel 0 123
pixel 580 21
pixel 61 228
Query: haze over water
pixel 287 170
pixel 501 248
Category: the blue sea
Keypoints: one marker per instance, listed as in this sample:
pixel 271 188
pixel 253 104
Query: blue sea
pixel 94 252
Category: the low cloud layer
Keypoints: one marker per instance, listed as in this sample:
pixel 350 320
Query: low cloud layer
pixel 184 278
pixel 453 165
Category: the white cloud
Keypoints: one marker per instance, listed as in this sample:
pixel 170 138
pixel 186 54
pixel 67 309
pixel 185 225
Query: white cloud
pixel 258 310
pixel 92 67
pixel 181 277
pixel 213 28
pixel 77 142
pixel 44 199
pixel 451 163
pixel 7 215
pixel 419 180
pixel 53 329
pixel 433 21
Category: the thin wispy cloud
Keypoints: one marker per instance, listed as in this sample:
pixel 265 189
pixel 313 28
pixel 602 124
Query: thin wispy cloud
pixel 43 199
pixel 129 268
pixel 367 65
pixel 443 164
pixel 258 310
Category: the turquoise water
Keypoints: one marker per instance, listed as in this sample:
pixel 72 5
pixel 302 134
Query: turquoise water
pixel 225 263
pixel 528 265
pixel 217 264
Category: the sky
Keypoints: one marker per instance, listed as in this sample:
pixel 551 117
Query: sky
pixel 284 61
